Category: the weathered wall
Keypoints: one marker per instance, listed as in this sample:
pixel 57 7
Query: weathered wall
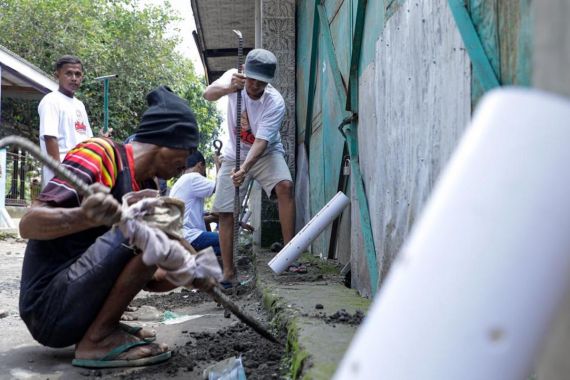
pixel 277 31
pixel 414 106
pixel 551 58
pixel 416 91
pixel 551 62
pixel 504 28
pixel 278 36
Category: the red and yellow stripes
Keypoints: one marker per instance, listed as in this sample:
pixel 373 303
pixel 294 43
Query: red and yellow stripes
pixel 94 160
pixel 98 157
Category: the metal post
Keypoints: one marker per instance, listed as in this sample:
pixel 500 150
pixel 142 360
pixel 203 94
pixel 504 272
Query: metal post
pixel 106 104
pixel 105 80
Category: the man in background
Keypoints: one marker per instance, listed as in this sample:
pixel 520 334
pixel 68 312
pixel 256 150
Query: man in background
pixel 63 118
pixel 193 187
pixel 262 153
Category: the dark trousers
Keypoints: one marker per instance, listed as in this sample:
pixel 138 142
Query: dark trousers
pixel 73 298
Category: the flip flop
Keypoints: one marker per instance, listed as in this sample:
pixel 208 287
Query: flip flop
pixel 110 361
pixel 229 284
pixel 133 330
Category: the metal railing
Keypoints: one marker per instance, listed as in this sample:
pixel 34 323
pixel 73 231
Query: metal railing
pixel 23 178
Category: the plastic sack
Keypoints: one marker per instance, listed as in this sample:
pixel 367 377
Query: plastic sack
pixel 228 369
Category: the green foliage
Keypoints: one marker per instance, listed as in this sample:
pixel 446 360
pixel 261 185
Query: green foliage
pixel 111 37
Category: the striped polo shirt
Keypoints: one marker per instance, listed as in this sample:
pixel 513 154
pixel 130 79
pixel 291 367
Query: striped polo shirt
pixel 94 160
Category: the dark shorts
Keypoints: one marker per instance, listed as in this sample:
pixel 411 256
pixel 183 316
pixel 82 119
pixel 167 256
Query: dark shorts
pixel 72 299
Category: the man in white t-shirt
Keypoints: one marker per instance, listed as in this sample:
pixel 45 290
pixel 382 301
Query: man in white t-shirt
pixel 262 153
pixel 193 188
pixel 63 119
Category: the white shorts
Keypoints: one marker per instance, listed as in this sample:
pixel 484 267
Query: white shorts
pixel 268 171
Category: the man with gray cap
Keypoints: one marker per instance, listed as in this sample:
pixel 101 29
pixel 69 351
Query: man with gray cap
pixel 79 275
pixel 262 153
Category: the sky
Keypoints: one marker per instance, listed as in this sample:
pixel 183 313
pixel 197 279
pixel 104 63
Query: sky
pixel 187 26
pixel 188 48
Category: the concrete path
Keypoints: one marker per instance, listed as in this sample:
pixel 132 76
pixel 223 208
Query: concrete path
pixel 307 305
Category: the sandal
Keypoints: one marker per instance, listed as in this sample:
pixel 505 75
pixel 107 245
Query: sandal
pixel 110 360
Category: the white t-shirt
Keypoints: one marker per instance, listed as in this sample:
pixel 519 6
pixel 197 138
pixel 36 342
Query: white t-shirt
pixel 265 117
pixel 64 118
pixel 192 189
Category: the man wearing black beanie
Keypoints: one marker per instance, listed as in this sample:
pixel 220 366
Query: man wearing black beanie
pixel 79 274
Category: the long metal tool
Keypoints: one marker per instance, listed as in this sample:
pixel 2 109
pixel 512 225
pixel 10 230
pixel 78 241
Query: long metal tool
pixel 105 79
pixel 238 147
pixel 85 190
pixel 222 299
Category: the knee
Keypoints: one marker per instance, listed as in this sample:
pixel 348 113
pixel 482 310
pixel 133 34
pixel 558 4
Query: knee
pixel 285 189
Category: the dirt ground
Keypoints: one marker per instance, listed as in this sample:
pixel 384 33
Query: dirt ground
pixel 209 338
pixel 196 344
pixel 261 358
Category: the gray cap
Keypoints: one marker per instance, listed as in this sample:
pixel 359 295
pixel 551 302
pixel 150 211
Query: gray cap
pixel 260 64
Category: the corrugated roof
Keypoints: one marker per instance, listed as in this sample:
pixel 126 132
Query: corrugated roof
pixel 21 79
pixel 215 22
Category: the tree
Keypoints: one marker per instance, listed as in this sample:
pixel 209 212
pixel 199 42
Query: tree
pixel 111 37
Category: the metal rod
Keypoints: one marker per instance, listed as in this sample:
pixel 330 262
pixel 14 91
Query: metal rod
pixel 48 161
pixel 85 190
pixel 238 148
pixel 222 299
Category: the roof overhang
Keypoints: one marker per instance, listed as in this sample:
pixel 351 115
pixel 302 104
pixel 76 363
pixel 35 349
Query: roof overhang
pixel 215 39
pixel 21 79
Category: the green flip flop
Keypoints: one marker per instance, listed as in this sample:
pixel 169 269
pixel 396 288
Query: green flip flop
pixel 133 330
pixel 110 361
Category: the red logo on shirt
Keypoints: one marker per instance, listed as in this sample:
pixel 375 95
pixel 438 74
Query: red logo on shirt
pixel 247 137
pixel 80 127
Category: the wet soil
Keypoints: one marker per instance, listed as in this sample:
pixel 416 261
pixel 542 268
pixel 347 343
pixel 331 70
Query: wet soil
pixel 344 317
pixel 261 358
pixel 315 270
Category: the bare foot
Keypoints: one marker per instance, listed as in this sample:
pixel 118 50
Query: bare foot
pixel 128 316
pixel 87 349
pixel 138 331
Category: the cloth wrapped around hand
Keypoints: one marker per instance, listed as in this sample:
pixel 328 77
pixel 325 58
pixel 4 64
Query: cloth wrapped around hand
pixel 147 220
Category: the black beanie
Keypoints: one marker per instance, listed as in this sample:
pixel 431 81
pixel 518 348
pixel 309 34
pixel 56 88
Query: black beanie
pixel 168 121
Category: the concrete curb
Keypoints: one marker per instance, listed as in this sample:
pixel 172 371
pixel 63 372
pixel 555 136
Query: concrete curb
pixel 316 347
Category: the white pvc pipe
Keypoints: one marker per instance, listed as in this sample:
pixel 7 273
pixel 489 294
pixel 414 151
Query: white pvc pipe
pixel 246 215
pixel 301 241
pixel 477 284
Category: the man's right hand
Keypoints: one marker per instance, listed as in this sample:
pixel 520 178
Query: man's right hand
pixel 238 82
pixel 101 208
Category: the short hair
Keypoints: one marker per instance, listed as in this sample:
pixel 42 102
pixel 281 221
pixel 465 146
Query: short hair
pixel 194 159
pixel 67 59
